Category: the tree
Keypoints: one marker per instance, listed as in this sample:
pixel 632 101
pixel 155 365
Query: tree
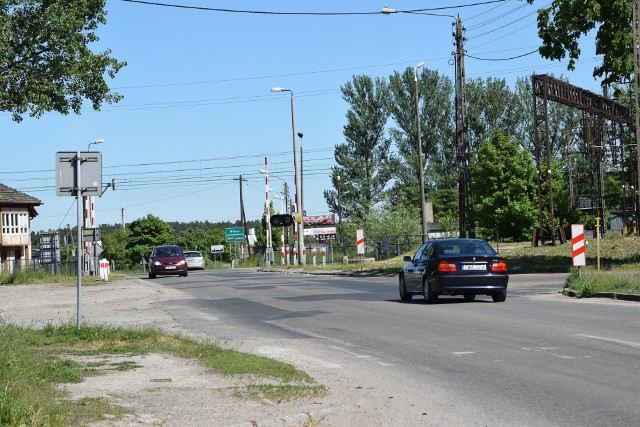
pixel 561 25
pixel 363 162
pixel 492 107
pixel 115 247
pixel 145 233
pixel 504 190
pixel 45 60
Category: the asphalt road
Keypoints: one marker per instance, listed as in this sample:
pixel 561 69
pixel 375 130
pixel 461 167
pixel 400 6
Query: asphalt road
pixel 538 359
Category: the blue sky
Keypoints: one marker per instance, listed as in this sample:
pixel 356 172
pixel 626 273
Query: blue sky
pixel 198 110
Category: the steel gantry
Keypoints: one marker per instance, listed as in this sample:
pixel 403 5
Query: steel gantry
pixel 597 109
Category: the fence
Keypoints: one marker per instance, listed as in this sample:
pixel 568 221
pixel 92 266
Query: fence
pixel 376 247
pixel 17 265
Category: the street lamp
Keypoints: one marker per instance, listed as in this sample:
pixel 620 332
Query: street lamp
pixel 420 165
pixel 298 184
pixel 300 135
pixel 97 141
pixel 388 11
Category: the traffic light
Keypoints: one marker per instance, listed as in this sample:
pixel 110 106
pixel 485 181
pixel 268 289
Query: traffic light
pixel 281 220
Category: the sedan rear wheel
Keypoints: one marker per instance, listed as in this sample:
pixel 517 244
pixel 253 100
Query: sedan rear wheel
pixel 430 297
pixel 404 295
pixel 499 296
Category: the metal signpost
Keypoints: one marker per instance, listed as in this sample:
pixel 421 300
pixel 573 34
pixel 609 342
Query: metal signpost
pixel 79 174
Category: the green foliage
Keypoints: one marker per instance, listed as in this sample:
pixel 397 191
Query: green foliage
pixel 363 161
pixel 395 221
pixel 45 60
pixel 144 234
pixel 561 25
pixel 504 191
pixel 115 247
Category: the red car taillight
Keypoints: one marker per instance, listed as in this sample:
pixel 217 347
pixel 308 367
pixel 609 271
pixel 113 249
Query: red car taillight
pixel 499 267
pixel 446 267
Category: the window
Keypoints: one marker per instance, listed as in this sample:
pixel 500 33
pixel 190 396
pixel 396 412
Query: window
pixel 14 221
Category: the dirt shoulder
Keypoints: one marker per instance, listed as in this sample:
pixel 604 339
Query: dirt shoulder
pixel 164 389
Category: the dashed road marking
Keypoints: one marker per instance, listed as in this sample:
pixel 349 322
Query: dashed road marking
pixel 613 340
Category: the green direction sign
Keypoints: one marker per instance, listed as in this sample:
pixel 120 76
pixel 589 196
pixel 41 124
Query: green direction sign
pixel 234 234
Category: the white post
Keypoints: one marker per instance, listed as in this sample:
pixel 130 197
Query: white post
pixel 324 256
pixel 313 255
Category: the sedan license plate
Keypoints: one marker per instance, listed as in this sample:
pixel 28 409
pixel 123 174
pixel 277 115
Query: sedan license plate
pixel 474 266
pixel 170 267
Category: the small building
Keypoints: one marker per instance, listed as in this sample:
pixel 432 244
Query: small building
pixel 16 211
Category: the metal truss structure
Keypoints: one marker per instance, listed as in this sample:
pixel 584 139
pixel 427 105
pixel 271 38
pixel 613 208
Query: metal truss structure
pixel 597 112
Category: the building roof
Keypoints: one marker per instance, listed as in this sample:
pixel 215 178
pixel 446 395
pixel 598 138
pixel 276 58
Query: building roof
pixel 14 198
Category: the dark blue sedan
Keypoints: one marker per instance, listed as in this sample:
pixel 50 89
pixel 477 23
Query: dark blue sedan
pixel 466 267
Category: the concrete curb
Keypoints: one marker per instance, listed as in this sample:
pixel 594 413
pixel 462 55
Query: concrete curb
pixel 610 295
pixel 300 419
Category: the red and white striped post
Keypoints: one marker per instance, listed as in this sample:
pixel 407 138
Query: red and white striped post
pixel 578 247
pixel 313 255
pixel 324 256
pixel 360 245
pixel 269 249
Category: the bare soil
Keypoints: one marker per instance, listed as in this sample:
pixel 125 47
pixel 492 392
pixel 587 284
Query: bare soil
pixel 167 390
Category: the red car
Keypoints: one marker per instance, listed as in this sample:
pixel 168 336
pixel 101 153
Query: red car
pixel 167 260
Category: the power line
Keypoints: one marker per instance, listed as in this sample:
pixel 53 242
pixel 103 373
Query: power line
pixel 263 12
pixel 502 59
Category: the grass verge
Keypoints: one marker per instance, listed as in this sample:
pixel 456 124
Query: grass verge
pixel 593 282
pixel 33 364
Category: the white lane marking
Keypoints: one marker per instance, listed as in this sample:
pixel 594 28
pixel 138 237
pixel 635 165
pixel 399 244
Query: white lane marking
pixel 294 357
pixel 462 353
pixel 613 340
pixel 361 356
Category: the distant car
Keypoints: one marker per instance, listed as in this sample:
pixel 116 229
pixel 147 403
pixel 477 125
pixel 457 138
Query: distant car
pixel 466 267
pixel 167 260
pixel 195 260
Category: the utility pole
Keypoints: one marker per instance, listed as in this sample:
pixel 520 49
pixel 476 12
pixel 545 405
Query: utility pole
pixel 243 218
pixel 636 83
pixel 465 204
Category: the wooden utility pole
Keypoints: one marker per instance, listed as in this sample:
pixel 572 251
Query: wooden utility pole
pixel 636 70
pixel 465 203
pixel 243 218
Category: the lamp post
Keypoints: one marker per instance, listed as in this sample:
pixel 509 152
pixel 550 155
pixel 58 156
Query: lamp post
pixel 420 165
pixel 298 184
pixel 97 141
pixel 300 135
pixel 387 11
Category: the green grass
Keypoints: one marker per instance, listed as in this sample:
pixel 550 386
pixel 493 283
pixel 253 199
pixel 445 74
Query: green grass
pixel 33 362
pixel 593 282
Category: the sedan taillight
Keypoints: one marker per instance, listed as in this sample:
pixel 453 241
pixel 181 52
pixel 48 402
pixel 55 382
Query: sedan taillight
pixel 499 267
pixel 446 267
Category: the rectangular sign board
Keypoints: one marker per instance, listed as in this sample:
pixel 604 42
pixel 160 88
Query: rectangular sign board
pixel 217 249
pixel 90 234
pixel 90 173
pixel 234 234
